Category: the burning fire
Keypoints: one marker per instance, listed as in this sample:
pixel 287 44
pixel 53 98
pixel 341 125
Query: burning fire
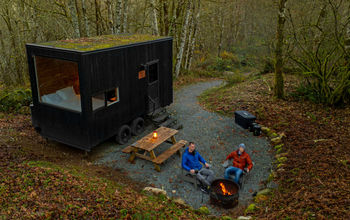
pixel 224 190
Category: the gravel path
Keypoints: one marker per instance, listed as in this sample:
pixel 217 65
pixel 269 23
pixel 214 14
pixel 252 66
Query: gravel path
pixel 215 137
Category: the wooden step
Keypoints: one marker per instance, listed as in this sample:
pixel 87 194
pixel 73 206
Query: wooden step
pixel 168 122
pixel 166 154
pixel 161 118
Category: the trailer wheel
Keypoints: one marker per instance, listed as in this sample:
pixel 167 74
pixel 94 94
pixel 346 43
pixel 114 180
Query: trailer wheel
pixel 123 135
pixel 137 126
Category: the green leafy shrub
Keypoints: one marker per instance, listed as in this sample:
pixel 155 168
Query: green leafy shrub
pixel 221 65
pixel 225 62
pixel 14 100
pixel 229 56
pixel 305 92
pixel 235 78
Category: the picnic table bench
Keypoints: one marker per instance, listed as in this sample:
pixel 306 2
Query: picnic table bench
pixel 149 143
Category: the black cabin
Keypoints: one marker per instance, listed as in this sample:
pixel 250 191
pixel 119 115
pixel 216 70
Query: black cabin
pixel 90 89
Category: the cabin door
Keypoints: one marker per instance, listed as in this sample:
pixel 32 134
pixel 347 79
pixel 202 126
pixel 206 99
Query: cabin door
pixel 152 69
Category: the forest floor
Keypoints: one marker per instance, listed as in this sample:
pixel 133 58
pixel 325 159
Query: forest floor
pixel 44 179
pixel 40 179
pixel 314 181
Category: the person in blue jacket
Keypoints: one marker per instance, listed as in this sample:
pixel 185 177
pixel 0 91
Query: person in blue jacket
pixel 191 161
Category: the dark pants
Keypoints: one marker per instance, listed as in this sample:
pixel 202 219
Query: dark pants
pixel 205 176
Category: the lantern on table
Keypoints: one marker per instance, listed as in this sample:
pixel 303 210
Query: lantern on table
pixel 155 135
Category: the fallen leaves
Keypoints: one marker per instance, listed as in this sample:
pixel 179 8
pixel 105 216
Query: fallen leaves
pixel 315 178
pixel 31 187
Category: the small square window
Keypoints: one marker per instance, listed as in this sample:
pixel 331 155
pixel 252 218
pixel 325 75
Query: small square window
pixel 112 96
pixel 105 99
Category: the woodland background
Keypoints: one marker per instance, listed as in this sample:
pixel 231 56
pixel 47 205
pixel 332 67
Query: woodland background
pixel 296 50
pixel 209 35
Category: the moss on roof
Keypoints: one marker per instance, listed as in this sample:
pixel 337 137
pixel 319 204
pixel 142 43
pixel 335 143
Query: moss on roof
pixel 100 42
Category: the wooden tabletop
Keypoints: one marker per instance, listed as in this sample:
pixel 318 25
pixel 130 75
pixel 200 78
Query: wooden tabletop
pixel 148 143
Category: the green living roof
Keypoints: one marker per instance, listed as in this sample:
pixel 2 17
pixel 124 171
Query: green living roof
pixel 101 42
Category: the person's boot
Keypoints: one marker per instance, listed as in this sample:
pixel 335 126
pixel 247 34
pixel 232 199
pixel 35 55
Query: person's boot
pixel 205 189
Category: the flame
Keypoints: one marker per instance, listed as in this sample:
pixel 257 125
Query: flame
pixel 224 190
pixel 155 134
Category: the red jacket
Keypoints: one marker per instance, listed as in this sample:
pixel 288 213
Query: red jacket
pixel 240 161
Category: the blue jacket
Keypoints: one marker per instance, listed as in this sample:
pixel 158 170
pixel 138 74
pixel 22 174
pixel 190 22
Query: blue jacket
pixel 190 161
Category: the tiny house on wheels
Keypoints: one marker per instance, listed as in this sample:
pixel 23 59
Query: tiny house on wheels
pixel 88 90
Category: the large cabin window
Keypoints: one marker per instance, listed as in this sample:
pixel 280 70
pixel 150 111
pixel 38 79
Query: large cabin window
pixel 58 82
pixel 105 99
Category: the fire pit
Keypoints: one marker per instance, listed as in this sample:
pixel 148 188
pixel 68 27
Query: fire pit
pixel 224 193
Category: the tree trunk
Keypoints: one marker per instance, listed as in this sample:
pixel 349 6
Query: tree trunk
pixel 81 32
pixel 195 30
pixel 279 82
pixel 118 16
pixel 173 18
pixel 125 16
pixel 347 39
pixel 222 27
pixel 183 40
pixel 165 17
pixel 97 17
pixel 155 19
pixel 74 18
pixel 110 16
pixel 190 35
pixel 86 23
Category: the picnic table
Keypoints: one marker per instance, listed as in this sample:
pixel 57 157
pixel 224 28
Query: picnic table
pixel 148 144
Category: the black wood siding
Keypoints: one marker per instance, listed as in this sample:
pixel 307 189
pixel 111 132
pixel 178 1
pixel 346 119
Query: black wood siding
pixel 100 71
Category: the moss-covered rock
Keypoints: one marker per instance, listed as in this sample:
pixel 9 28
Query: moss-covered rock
pixel 226 218
pixel 279 146
pixel 280 165
pixel 282 159
pixel 244 218
pixel 204 210
pixel 265 130
pixel 276 140
pixel 251 208
pixel 260 198
pixel 265 192
pixel 271 176
pixel 273 135
pixel 281 155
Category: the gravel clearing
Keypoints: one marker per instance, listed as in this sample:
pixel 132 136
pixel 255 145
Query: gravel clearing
pixel 215 137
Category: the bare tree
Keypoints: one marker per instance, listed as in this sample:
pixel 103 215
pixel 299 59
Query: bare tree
pixel 110 16
pixel 155 19
pixel 125 15
pixel 118 16
pixel 183 39
pixel 86 23
pixel 192 35
pixel 279 82
pixel 74 18
pixel 97 17
pixel 221 27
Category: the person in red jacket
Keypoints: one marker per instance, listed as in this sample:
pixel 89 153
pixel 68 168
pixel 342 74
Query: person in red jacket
pixel 241 160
